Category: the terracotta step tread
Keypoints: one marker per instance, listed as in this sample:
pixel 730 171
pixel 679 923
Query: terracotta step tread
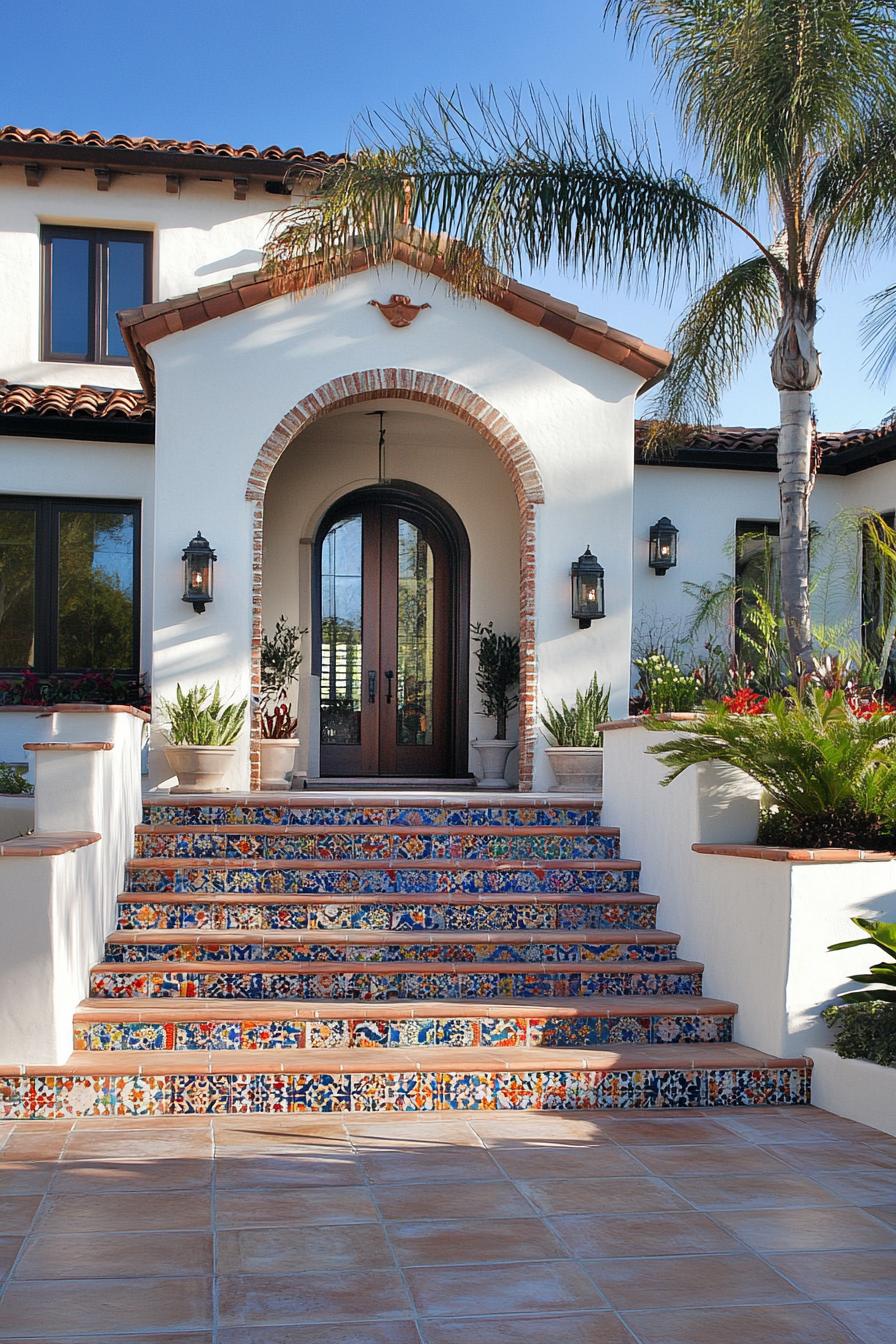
pixel 387 898
pixel 228 1010
pixel 669 967
pixel 337 865
pixel 356 828
pixel 443 1059
pixel 375 798
pixel 388 937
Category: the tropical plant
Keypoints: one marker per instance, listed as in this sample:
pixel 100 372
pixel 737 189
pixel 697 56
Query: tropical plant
pixel 576 725
pixel 198 718
pixel 882 976
pixel 830 773
pixel 498 674
pixel 864 1031
pixel 664 687
pixel 281 658
pixel 790 109
pixel 12 779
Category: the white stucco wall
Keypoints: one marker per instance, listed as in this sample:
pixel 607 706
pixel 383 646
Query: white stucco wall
pixel 201 237
pixel 432 448
pixel 224 385
pixel 78 469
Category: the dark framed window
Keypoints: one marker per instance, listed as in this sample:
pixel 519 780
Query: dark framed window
pixel 878 595
pixel 88 276
pixel 69 585
pixel 757 572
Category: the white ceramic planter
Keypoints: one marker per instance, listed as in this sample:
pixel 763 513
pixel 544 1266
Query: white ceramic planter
pixel 577 769
pixel 278 757
pixel 493 753
pixel 200 769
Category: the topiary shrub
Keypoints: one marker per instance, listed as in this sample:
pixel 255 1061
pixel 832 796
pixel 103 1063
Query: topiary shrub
pixel 864 1031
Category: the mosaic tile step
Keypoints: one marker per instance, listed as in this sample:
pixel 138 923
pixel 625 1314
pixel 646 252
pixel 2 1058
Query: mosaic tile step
pixel 400 910
pixel 250 1082
pixel 297 875
pixel 328 810
pixel 103 1024
pixel 366 982
pixel 371 945
pixel 378 842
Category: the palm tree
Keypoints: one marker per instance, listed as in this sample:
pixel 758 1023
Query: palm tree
pixel 790 107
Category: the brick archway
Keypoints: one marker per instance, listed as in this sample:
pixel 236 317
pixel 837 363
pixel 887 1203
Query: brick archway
pixel 502 438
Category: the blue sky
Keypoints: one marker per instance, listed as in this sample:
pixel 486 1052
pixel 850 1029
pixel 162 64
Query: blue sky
pixel 299 73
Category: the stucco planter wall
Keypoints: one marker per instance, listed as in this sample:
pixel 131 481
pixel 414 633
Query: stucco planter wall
pixel 855 1088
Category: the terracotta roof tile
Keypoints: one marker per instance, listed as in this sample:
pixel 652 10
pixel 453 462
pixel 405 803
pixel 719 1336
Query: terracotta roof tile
pixel 148 144
pixel 93 403
pixel 740 444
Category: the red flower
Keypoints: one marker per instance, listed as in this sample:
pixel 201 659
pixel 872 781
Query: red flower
pixel 867 709
pixel 745 701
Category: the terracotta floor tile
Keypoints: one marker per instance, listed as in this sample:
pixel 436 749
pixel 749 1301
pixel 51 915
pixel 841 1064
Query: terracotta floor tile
pixel 836 1274
pixel 593 1327
pixel 628 1234
pixel 689 1281
pixel 447 1199
pixel 98 1147
pixel 762 1192
pixel 149 1175
pixel 17 1212
pixel 443 1164
pixel 96 1212
pixel 610 1194
pixel 656 1129
pixel 835 1156
pixel 706 1159
pixel 860 1187
pixel 468 1241
pixel 257 1299
pixel 116 1255
pixel 347 1332
pixel 543 1160
pixel 253 1130
pixel 153 1337
pixel 44 1145
pixel 42 1310
pixel 502 1290
pixel 25 1177
pixel 251 1172
pixel 807 1229
pixel 871 1322
pixel 386 1137
pixel 9 1249
pixel 266 1250
pixel 801 1324
pixel 289 1207
pixel 505 1131
pixel 886 1212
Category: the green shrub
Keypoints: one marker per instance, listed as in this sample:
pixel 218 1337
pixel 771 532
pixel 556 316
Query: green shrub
pixel 195 720
pixel 864 1031
pixel 12 779
pixel 498 674
pixel 664 687
pixel 883 974
pixel 575 725
pixel 843 827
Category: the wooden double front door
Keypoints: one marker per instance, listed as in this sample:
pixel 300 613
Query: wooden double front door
pixel 386 642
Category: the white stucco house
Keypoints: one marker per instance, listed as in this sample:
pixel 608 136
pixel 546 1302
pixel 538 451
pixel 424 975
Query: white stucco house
pixel 217 406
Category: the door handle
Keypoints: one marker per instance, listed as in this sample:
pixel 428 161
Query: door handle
pixel 389 676
pixel 371 688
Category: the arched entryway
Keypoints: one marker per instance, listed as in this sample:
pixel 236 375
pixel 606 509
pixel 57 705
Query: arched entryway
pixel 390 635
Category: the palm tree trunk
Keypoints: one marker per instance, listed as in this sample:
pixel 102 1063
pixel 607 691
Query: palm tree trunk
pixel 796 371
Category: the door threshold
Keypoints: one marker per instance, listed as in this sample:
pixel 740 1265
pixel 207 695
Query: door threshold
pixel 390 784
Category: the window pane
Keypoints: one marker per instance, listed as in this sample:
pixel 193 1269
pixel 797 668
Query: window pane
pixel 340 621
pixel 416 636
pixel 17 534
pixel 124 287
pixel 96 590
pixel 70 297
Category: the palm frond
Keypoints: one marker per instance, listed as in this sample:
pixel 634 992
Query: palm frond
pixel 507 183
pixel 879 334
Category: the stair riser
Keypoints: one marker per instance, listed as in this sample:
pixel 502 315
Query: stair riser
pixel 51 1096
pixel 391 954
pixel 380 987
pixel 348 814
pixel 343 845
pixel 398 918
pixel 465 1032
pixel 246 879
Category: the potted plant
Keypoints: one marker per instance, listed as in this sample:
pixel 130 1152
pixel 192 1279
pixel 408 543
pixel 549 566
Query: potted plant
pixel 202 732
pixel 281 658
pixel 576 752
pixel 497 680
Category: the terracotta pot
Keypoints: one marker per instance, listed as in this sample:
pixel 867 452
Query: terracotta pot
pixel 577 769
pixel 493 753
pixel 200 769
pixel 278 756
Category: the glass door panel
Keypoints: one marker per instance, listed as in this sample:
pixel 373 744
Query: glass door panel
pixel 341 627
pixel 416 637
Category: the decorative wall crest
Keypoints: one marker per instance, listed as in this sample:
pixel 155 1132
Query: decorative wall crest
pixel 399 311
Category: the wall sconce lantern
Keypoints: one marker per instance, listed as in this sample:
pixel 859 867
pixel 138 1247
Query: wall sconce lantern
pixel 587 589
pixel 199 570
pixel 663 553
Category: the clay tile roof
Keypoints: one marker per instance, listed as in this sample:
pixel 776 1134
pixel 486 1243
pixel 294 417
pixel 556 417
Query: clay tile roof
pixel 147 144
pixel 737 447
pixel 94 403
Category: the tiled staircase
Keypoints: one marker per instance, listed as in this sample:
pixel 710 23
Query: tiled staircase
pixel 328 954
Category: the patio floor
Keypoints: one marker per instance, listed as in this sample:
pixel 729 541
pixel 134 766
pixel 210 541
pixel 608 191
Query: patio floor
pixel 602 1228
